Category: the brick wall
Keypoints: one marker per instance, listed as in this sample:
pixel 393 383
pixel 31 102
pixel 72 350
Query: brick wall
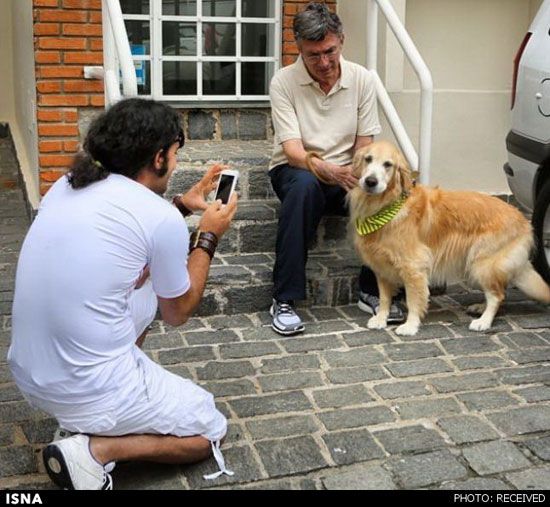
pixel 67 37
pixel 290 8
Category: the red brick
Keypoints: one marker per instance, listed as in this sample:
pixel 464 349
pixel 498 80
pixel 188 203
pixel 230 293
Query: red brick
pixel 55 161
pixel 290 48
pixel 290 9
pixel 46 29
pixel 288 22
pixel 61 71
pixel 71 116
pixel 288 34
pixel 51 176
pixel 48 86
pixel 288 60
pixel 84 58
pixel 44 187
pixel 97 100
pixel 50 146
pixel 71 146
pixel 63 100
pixel 48 115
pixel 83 86
pixel 58 130
pixel 47 56
pixel 61 43
pixel 80 29
pixel 63 16
pixel 46 3
pixel 96 44
pixel 82 4
pixel 95 17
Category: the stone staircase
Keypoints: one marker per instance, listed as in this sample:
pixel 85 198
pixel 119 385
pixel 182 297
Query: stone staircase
pixel 241 275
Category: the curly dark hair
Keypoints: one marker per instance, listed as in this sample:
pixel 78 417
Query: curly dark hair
pixel 124 140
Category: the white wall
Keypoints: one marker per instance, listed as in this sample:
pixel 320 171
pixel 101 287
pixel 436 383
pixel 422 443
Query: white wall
pixel 469 46
pixel 23 120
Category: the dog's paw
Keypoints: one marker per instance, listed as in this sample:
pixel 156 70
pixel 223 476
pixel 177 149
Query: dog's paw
pixel 407 329
pixel 480 324
pixel 377 323
pixel 476 309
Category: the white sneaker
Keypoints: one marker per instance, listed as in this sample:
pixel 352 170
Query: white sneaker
pixel 285 320
pixel 70 465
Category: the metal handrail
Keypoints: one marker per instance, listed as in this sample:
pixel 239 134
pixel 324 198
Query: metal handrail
pixel 420 162
pixel 117 54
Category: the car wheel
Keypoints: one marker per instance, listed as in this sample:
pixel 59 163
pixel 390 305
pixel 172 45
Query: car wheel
pixel 541 226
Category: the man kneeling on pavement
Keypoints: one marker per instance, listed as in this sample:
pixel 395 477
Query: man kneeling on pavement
pixel 104 252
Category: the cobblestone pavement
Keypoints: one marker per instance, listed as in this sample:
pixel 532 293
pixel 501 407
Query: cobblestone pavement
pixel 340 407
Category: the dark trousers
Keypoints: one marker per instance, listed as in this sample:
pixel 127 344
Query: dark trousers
pixel 304 200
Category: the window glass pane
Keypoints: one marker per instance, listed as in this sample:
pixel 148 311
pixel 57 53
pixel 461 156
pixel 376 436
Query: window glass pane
pixel 219 8
pixel 255 77
pixel 258 8
pixel 179 38
pixel 135 6
pixel 179 7
pixel 139 36
pixel 143 75
pixel 179 78
pixel 218 78
pixel 258 39
pixel 218 39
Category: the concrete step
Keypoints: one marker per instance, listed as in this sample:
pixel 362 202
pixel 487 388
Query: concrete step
pixel 241 276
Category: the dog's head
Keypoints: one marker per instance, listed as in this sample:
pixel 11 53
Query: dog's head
pixel 381 166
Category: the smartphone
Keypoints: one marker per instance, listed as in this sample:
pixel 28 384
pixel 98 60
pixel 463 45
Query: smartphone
pixel 226 185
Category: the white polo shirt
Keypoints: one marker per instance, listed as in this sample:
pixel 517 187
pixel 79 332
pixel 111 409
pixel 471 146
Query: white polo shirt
pixel 326 123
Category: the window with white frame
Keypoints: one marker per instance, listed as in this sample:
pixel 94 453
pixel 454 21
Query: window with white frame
pixel 204 50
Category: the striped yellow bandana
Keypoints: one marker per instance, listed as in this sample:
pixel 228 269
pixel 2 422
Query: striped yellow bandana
pixel 371 224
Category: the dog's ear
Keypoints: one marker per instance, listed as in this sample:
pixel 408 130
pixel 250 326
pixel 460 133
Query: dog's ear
pixel 405 173
pixel 358 161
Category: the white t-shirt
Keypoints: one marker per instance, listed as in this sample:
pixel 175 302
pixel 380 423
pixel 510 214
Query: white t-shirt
pixel 326 123
pixel 72 331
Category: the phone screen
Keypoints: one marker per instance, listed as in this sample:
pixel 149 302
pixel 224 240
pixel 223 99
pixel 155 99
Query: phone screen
pixel 224 188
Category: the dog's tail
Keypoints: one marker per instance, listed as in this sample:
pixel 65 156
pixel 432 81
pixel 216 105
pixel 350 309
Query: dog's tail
pixel 532 284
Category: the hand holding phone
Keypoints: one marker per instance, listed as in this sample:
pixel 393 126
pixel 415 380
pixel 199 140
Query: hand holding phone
pixel 227 183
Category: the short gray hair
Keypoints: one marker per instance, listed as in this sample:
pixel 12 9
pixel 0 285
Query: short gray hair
pixel 315 22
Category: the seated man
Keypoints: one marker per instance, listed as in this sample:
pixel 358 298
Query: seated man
pixel 83 298
pixel 327 105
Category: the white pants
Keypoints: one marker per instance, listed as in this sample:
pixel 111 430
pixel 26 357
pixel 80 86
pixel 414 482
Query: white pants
pixel 154 401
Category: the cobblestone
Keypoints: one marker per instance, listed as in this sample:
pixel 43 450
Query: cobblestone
pixel 494 457
pixel 352 446
pixel 426 469
pixel 339 407
pixel 411 438
pixel 365 478
pixel 536 478
pixel 465 429
pixel 356 417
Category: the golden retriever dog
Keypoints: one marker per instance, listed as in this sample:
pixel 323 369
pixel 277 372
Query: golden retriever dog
pixel 437 235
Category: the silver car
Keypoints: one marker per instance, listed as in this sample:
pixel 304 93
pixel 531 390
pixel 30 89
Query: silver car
pixel 528 142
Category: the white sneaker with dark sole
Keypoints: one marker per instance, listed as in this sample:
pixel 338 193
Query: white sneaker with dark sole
pixel 285 320
pixel 371 304
pixel 70 465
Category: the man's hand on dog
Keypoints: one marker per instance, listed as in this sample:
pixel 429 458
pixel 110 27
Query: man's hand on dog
pixel 338 175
